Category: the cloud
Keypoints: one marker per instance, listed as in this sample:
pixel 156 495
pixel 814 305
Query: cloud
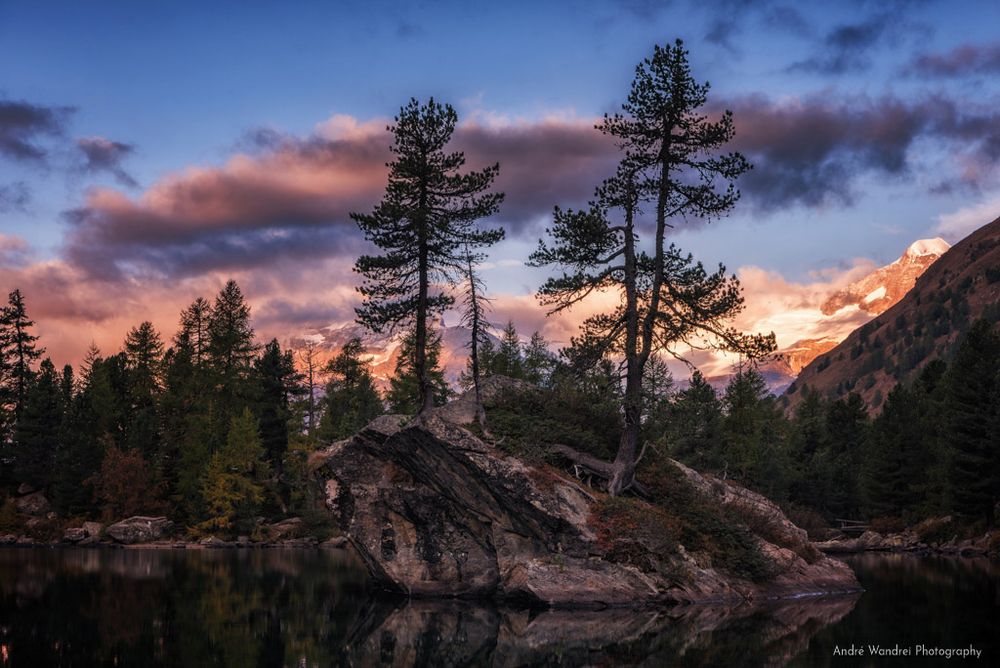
pixel 14 251
pixel 286 196
pixel 14 197
pixel 963 60
pixel 23 125
pixel 105 155
pixel 846 47
pixel 813 151
pixel 959 224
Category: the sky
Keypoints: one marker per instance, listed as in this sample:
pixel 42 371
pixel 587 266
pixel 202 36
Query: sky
pixel 150 151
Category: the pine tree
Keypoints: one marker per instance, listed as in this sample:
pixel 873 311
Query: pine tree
pixel 507 359
pixel 18 353
pixel 278 384
pixel 37 432
pixel 425 225
pixel 892 474
pixel 229 356
pixel 672 158
pixel 694 430
pixel 754 434
pixel 351 400
pixel 404 395
pixel 537 360
pixel 847 425
pixel 195 321
pixel 144 373
pixel 973 408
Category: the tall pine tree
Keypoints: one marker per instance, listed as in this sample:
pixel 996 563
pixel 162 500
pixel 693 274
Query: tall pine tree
pixel 426 226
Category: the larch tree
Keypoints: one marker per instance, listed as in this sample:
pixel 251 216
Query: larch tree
pixel 674 162
pixel 424 225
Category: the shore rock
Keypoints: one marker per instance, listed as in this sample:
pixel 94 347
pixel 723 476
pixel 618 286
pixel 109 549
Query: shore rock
pixel 34 503
pixel 87 534
pixel 139 529
pixel 434 511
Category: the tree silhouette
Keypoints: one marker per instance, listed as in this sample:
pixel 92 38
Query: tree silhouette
pixel 425 225
pixel 672 160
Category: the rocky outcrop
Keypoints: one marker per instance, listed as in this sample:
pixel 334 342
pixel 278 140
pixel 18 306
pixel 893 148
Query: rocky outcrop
pixel 139 529
pixel 916 540
pixel 435 511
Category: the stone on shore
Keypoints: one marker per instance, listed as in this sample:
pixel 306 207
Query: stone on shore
pixel 139 529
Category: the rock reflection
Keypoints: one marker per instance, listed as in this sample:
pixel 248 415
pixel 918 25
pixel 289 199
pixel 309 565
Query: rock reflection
pixel 457 633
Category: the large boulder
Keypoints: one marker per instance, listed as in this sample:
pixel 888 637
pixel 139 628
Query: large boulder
pixel 89 533
pixel 33 503
pixel 139 529
pixel 435 511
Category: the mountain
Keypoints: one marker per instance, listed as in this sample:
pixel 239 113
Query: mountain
pixel 837 313
pixel 960 287
pixel 383 350
pixel 885 286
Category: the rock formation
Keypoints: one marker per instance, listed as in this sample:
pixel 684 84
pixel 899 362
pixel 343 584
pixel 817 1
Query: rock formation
pixel 433 510
pixel 139 529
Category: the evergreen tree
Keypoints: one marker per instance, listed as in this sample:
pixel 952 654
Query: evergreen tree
pixel 847 425
pixel 229 355
pixel 425 225
pixel 973 403
pixel 537 360
pixel 808 445
pixel 18 353
pixel 80 451
pixel 351 400
pixel 195 321
pixel 404 395
pixel 144 368
pixel 892 475
pixel 37 432
pixel 278 383
pixel 507 361
pixel 754 434
pixel 234 482
pixel 694 430
pixel 672 158
pixel 657 385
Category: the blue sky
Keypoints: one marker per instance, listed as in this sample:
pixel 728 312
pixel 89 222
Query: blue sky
pixel 888 108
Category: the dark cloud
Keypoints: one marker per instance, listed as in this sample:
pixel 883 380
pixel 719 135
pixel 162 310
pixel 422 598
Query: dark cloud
pixel 23 124
pixel 14 197
pixel 541 165
pixel 964 60
pixel 105 155
pixel 846 47
pixel 311 314
pixel 813 152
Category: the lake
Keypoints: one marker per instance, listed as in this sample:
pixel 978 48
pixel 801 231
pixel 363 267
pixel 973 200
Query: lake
pixel 295 607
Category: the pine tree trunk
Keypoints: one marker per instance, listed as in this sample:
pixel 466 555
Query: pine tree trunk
pixel 426 398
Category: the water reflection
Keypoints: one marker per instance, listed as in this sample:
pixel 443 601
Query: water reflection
pixel 313 608
pixel 426 633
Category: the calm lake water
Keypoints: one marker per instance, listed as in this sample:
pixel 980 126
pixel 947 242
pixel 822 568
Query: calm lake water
pixel 78 607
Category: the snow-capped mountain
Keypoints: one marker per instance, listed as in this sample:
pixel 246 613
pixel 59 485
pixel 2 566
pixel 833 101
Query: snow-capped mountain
pixel 879 290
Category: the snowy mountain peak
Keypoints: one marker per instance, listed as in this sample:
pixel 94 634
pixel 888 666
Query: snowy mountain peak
pixel 936 246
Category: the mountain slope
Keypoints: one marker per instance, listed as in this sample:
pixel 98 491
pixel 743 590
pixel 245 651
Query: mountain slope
pixel 962 286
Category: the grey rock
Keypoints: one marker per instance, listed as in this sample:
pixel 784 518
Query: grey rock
pixel 139 529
